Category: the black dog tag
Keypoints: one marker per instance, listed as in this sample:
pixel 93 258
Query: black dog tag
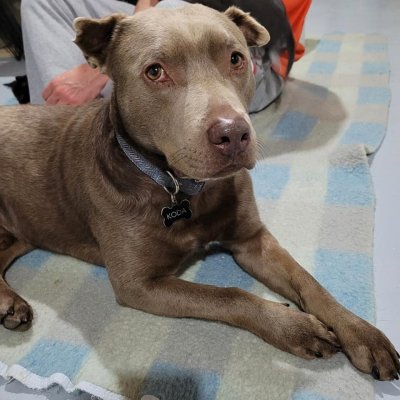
pixel 176 212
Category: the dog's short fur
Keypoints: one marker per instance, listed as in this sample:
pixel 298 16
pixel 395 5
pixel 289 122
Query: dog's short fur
pixel 66 186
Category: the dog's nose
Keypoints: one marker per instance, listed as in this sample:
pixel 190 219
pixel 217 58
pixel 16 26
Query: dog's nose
pixel 230 136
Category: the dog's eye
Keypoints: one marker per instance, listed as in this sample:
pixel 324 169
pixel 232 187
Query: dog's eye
pixel 155 72
pixel 237 59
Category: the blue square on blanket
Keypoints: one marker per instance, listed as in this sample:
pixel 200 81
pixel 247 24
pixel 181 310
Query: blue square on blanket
pixel 348 277
pixel 373 95
pixel 99 272
pixel 322 67
pixel 294 125
pixel 307 395
pixel 34 259
pixel 48 357
pixel 168 381
pixel 368 133
pixel 329 46
pixel 269 180
pixel 375 68
pixel 375 47
pixel 221 270
pixel 350 185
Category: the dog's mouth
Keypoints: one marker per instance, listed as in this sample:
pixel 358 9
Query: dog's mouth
pixel 225 171
pixel 205 162
pixel 231 169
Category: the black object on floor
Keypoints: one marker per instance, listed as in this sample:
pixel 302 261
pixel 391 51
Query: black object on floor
pixel 20 89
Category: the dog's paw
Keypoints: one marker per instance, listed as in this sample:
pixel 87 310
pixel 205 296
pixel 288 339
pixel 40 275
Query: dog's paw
pixel 305 336
pixel 369 350
pixel 15 312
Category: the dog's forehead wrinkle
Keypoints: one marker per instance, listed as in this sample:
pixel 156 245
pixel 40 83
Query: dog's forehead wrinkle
pixel 177 37
pixel 194 49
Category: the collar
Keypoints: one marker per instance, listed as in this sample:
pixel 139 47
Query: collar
pixel 163 178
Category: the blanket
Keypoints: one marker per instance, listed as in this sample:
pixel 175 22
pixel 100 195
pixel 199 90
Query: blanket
pixel 314 191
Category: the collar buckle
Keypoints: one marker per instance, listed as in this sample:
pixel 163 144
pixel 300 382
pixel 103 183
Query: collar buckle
pixel 174 192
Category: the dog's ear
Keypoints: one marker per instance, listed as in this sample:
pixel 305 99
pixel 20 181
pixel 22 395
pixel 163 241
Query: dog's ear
pixel 93 37
pixel 254 32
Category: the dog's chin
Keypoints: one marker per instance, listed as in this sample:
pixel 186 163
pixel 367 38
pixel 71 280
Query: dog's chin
pixel 214 173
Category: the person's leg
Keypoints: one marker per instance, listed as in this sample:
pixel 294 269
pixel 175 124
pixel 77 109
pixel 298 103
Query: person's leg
pixel 171 3
pixel 48 34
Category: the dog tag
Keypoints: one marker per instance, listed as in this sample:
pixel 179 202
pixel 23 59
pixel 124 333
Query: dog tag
pixel 176 212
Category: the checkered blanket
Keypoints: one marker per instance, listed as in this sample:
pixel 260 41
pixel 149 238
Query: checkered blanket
pixel 314 191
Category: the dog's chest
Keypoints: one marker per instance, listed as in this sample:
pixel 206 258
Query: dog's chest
pixel 194 221
pixel 197 232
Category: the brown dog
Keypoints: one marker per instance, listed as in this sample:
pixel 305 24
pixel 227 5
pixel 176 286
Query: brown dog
pixel 182 84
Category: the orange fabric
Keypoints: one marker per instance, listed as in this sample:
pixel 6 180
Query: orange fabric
pixel 296 11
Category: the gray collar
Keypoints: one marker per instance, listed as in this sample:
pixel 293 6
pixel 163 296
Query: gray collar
pixel 163 178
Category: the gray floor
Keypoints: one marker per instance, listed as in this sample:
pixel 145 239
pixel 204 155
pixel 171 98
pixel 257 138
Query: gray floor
pixel 327 16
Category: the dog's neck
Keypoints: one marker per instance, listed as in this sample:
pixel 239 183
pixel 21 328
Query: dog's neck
pixel 117 123
pixel 150 163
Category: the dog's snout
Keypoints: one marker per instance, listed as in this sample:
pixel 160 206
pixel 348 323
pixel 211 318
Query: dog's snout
pixel 230 136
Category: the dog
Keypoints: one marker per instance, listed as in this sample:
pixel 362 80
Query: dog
pixel 139 182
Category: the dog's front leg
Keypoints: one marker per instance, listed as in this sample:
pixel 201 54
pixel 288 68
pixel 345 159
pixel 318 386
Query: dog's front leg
pixel 144 285
pixel 367 348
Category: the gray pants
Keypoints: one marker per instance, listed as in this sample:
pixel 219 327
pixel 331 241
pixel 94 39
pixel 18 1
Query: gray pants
pixel 49 50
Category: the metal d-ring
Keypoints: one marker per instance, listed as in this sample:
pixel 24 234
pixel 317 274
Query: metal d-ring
pixel 177 188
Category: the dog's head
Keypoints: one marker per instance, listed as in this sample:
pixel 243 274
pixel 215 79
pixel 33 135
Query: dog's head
pixel 183 81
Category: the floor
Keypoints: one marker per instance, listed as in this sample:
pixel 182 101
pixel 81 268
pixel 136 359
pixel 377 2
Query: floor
pixel 328 16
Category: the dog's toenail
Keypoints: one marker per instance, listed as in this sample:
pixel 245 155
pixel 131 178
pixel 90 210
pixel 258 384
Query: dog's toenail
pixel 10 311
pixel 398 355
pixel 286 304
pixel 330 329
pixel 318 354
pixel 396 377
pixel 375 372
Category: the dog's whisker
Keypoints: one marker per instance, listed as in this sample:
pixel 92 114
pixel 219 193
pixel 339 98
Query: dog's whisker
pixel 261 151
